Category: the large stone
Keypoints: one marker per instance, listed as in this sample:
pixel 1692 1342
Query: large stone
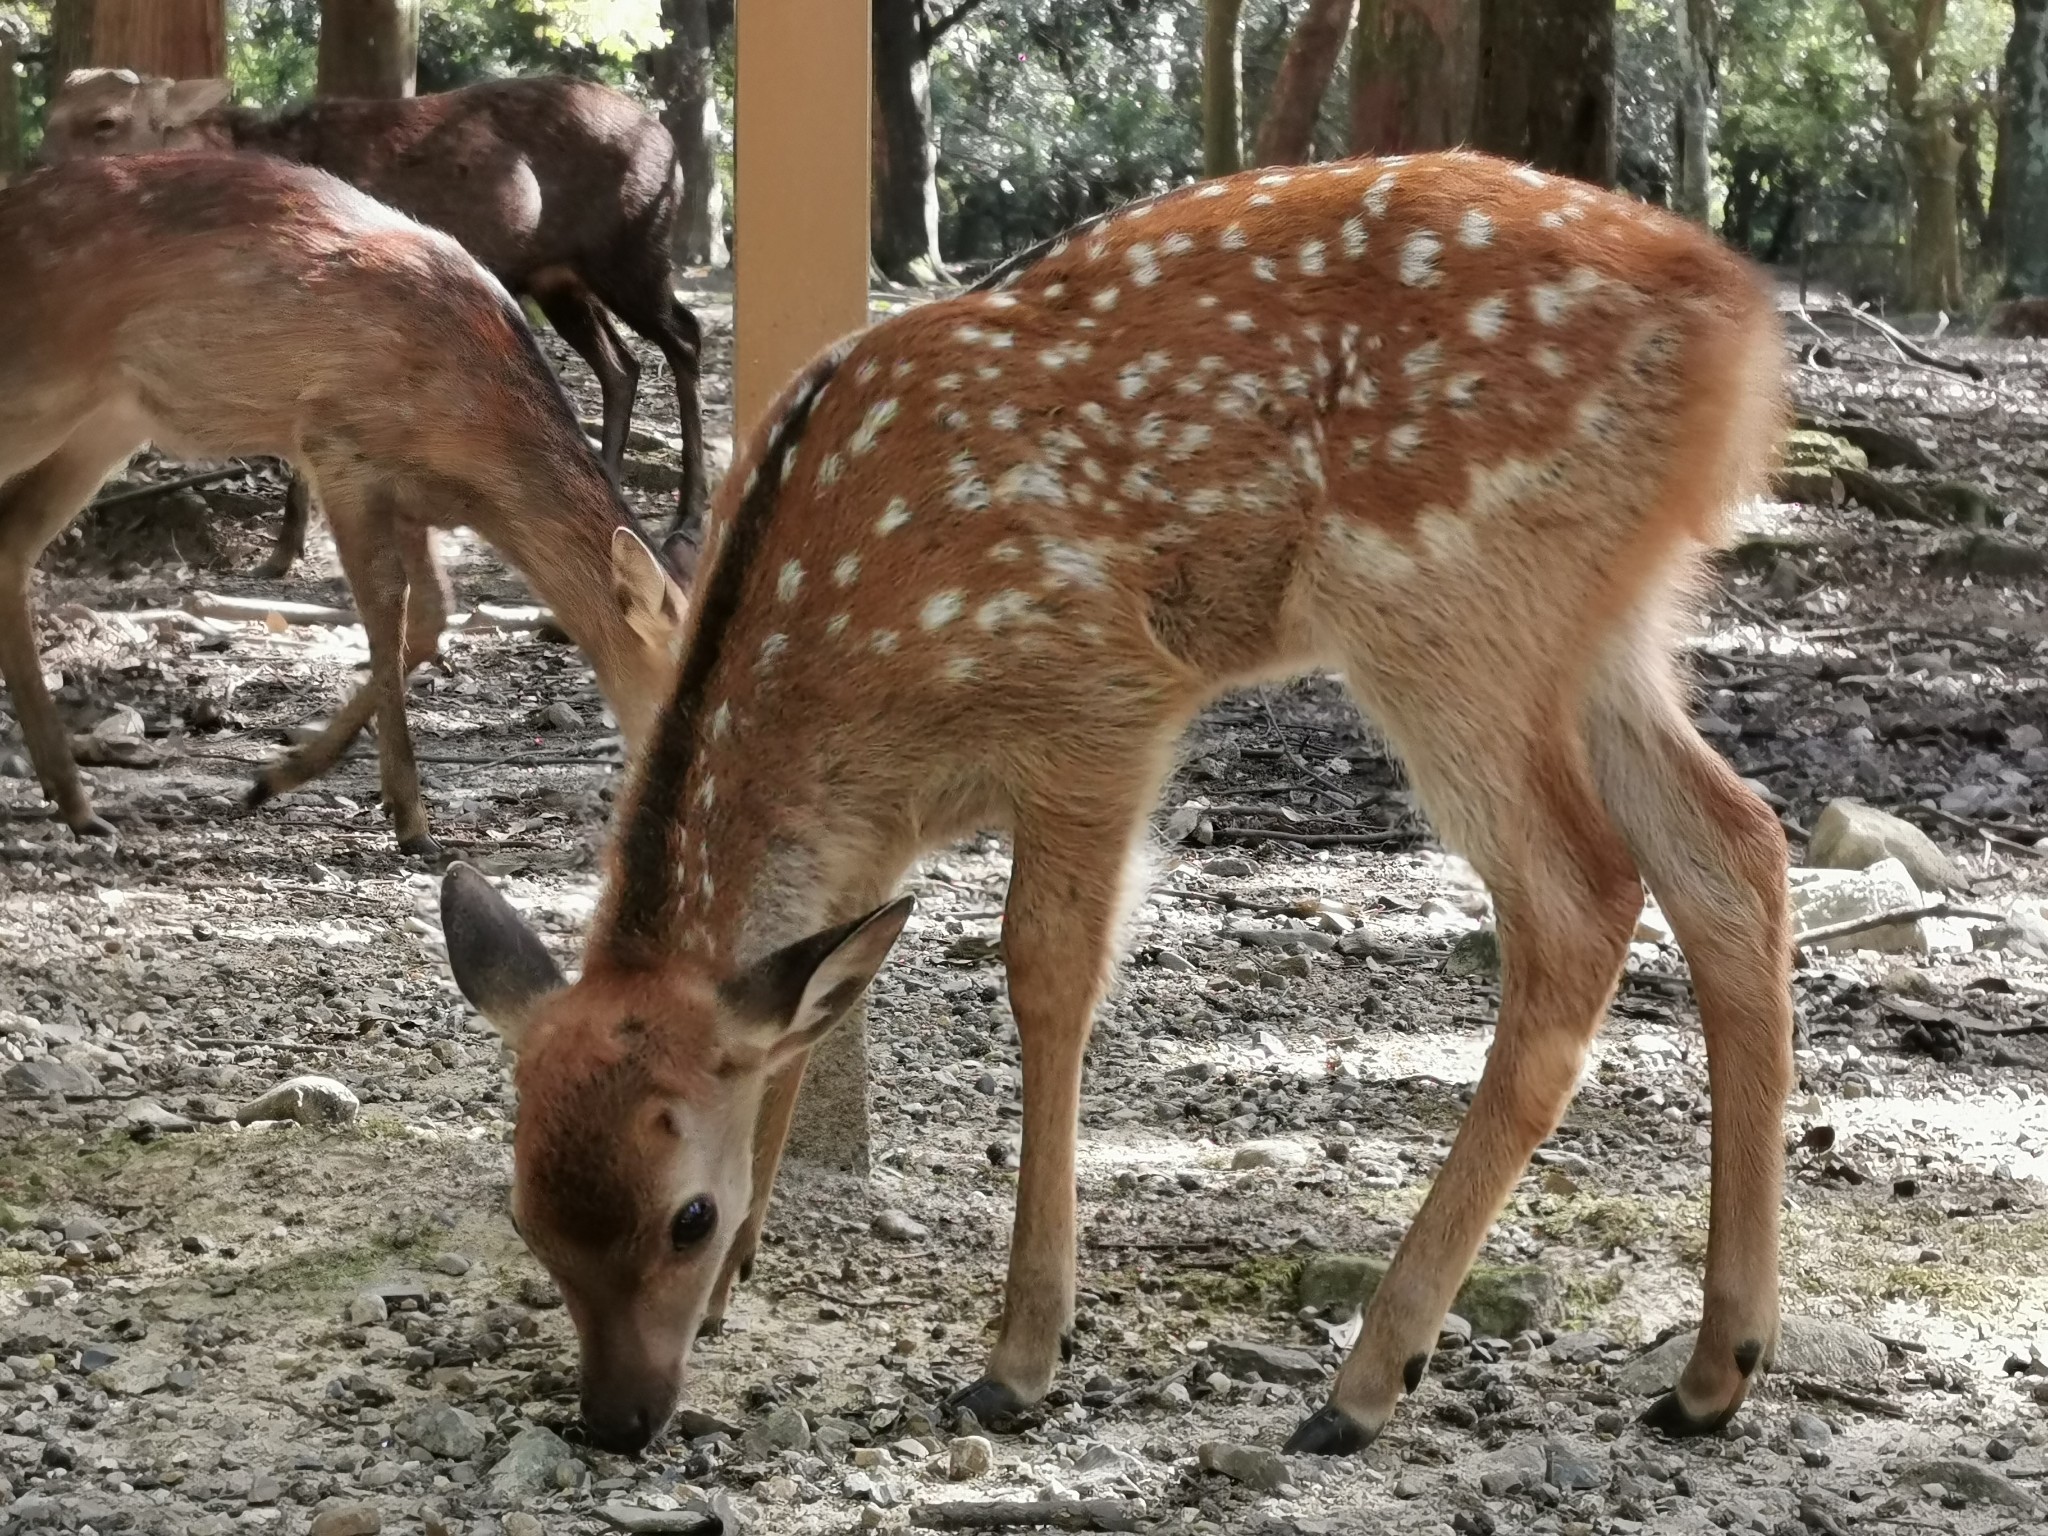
pixel 1269 1362
pixel 688 1520
pixel 1973 1482
pixel 831 1126
pixel 133 1375
pixel 441 1429
pixel 1566 1466
pixel 785 1429
pixel 1498 1300
pixel 1822 898
pixel 346 1519
pixel 46 1076
pixel 530 1463
pixel 312 1101
pixel 969 1457
pixel 1806 1347
pixel 1850 835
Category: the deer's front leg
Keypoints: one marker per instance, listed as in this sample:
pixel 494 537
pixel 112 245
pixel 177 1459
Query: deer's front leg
pixel 1058 929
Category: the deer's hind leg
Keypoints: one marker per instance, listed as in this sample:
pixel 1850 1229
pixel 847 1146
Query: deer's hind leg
pixel 1072 857
pixel 1714 856
pixel 291 533
pixel 1509 787
pixel 35 506
pixel 402 595
pixel 573 310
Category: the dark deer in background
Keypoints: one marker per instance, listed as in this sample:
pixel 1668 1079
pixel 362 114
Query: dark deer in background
pixel 565 190
pixel 229 304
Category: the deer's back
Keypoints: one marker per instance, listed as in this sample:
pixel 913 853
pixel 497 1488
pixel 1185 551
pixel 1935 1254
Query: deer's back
pixel 525 174
pixel 241 304
pixel 1227 433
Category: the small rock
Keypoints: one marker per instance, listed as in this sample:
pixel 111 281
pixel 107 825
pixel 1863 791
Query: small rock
pixel 1850 835
pixel 969 1457
pixel 1229 867
pixel 531 1462
pixel 560 716
pixel 657 1522
pixel 520 1523
pixel 1269 1362
pixel 367 1310
pixel 1811 1429
pixel 348 1520
pixel 2024 932
pixel 311 1101
pixel 1806 1347
pixel 1411 1484
pixel 899 1227
pixel 133 1375
pixel 1247 1464
pixel 785 1429
pixel 146 1117
pixel 443 1430
pixel 1823 897
pixel 1496 1301
pixel 454 1264
pixel 1475 954
pixel 1572 1470
pixel 1172 960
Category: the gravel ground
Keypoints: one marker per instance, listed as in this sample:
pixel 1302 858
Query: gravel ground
pixel 210 1327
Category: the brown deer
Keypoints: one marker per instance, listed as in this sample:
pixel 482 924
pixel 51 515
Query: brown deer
pixel 1457 429
pixel 219 305
pixel 564 189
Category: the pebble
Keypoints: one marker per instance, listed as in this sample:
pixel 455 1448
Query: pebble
pixel 311 1101
pixel 969 1457
pixel 532 1462
pixel 1251 1465
pixel 1229 867
pixel 1811 1429
pixel 367 1309
pixel 1269 1362
pixel 1270 1154
pixel 561 716
pixel 1571 1469
pixel 519 1523
pixel 454 1264
pixel 353 1520
pixel 656 1522
pixel 443 1430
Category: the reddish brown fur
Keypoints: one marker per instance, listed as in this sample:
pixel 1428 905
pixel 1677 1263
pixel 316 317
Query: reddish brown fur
pixel 1454 428
pixel 222 305
pixel 564 189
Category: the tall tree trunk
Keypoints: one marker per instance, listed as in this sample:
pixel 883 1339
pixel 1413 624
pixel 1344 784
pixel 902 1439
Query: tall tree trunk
pixel 1222 114
pixel 182 39
pixel 906 190
pixel 1546 85
pixel 10 103
pixel 368 47
pixel 1934 251
pixel 1698 30
pixel 1414 69
pixel 1287 136
pixel 2023 152
pixel 684 82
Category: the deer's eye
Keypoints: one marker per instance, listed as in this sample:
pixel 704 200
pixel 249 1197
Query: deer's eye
pixel 693 1223
pixel 106 127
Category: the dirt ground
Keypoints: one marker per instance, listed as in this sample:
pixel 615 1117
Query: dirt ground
pixel 187 1349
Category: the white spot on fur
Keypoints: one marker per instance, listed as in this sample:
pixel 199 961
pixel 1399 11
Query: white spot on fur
pixel 790 580
pixel 1462 389
pixel 1533 177
pixel 894 516
pixel 1311 257
pixel 1367 551
pixel 847 571
pixel 1005 418
pixel 1054 290
pixel 1403 441
pixel 941 609
pixel 879 415
pixel 1007 550
pixel 1376 196
pixel 1193 438
pixel 1144 265
pixel 1418 260
pixel 1475 229
pixel 1001 301
pixel 1425 359
pixel 1179 243
pixel 1353 235
pixel 947 381
pixel 1234 238
pixel 1031 481
pixel 1070 565
pixel 1104 301
pixel 959 669
pixel 866 372
pixel 1551 361
pixel 721 721
pixel 1238 320
pixel 1486 318
pixel 1264 270
pixel 882 641
pixel 771 648
pixel 836 626
pixel 1004 608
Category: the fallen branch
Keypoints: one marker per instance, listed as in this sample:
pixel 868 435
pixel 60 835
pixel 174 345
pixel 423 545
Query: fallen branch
pixel 1310 839
pixel 165 487
pixel 257 610
pixel 1821 1392
pixel 1857 925
pixel 1055 1514
pixel 1906 347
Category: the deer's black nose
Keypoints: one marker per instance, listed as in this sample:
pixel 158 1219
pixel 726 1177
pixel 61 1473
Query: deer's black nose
pixel 621 1428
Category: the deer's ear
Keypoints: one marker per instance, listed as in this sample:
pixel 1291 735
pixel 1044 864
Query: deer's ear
pixel 186 101
pixel 500 965
pixel 650 598
pixel 795 996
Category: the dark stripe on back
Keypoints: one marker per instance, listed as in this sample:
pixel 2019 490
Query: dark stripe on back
pixel 1002 271
pixel 647 894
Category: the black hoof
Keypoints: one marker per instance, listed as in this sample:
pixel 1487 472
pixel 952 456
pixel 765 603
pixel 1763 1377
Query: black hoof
pixel 92 824
pixel 1329 1431
pixel 274 569
pixel 1668 1416
pixel 991 1403
pixel 711 1328
pixel 260 793
pixel 421 846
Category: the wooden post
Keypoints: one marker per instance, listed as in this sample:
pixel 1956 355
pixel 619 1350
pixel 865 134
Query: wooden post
pixel 800 204
pixel 368 48
pixel 178 39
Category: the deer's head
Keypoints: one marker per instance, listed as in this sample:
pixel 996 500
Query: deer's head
pixel 118 112
pixel 633 1157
